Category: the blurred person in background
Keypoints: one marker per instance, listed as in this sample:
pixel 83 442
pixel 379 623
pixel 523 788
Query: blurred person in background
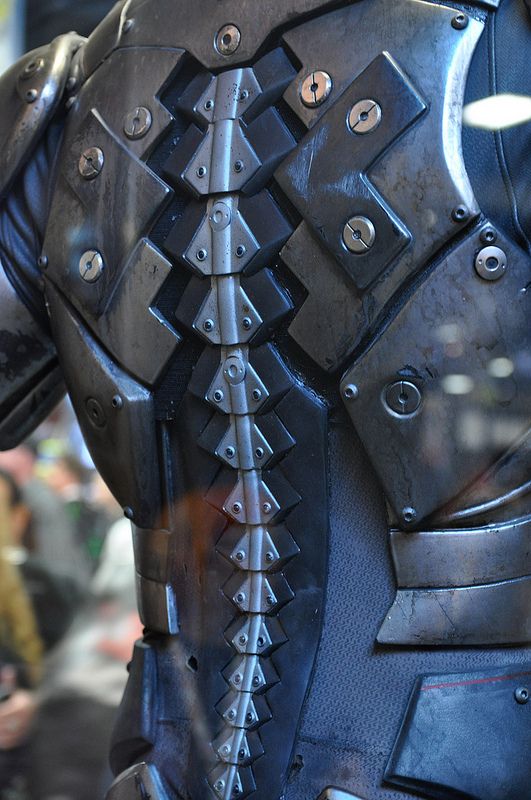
pixel 20 665
pixel 54 597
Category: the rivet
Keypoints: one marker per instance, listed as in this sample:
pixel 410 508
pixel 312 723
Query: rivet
pixel 241 753
pixel 270 600
pixel 218 395
pixel 95 413
pixel 237 508
pixel 402 398
pixel 359 235
pixel 31 95
pixel 364 116
pixel 247 323
pixel 240 597
pixel 225 750
pixel 42 262
pixel 137 122
pixel 351 392
pixel 208 325
pixel 228 40
pixel 117 402
pixel 91 266
pixel 259 452
pixel 491 263
pixel 270 557
pixel 250 717
pixel 521 695
pixel 242 639
pixel 266 508
pixel 34 66
pixel 256 681
pixel 488 235
pixel 129 513
pixel 231 714
pixel 238 166
pixel 240 555
pixel 209 105
pixel 219 785
pixel 201 254
pixel 315 88
pixel 127 26
pixel 201 172
pixel 257 394
pixel 91 163
pixel 409 515
pixel 237 678
pixel 260 641
pixel 460 213
pixel 241 250
pixel 230 452
pixel 459 22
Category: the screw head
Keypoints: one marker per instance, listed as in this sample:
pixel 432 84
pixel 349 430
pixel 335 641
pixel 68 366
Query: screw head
pixel 247 323
pixel 201 172
pixel 409 515
pixel 96 413
pixel 237 508
pixel 488 235
pixel 364 116
pixel 127 26
pixel 91 266
pixel 228 39
pixel 137 122
pixel 31 95
pixel 238 166
pixel 351 392
pixel 230 452
pixel 257 395
pixel 117 402
pixel 315 88
pixel 129 513
pixel 218 395
pixel 402 398
pixel 256 680
pixel 359 235
pixel 91 163
pixel 259 452
pixel 240 555
pixel 459 22
pixel 460 214
pixel 491 263
pixel 521 695
pixel 267 508
pixel 270 557
pixel 201 254
pixel 241 250
pixel 208 325
pixel 32 67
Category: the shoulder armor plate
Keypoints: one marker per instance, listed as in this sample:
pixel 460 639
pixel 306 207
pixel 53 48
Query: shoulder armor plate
pixel 30 92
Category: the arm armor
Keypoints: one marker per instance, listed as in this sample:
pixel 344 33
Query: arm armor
pixel 31 92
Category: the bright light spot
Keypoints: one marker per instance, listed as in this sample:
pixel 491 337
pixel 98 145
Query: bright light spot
pixel 498 112
pixel 457 384
pixel 500 367
pixel 449 333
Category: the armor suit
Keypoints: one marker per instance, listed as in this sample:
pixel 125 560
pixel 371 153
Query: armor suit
pixel 289 298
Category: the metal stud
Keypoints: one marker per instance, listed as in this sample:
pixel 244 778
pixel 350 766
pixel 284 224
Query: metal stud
pixel 365 116
pixel 402 398
pixel 127 26
pixel 96 413
pixel 91 163
pixel 459 22
pixel 228 40
pixel 521 695
pixel 31 95
pixel 137 122
pixel 91 266
pixel 409 515
pixel 491 263
pixel 488 235
pixel 351 392
pixel 460 214
pixel 316 88
pixel 359 235
pixel 34 66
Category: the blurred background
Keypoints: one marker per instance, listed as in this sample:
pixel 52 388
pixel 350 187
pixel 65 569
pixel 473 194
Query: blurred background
pixel 68 616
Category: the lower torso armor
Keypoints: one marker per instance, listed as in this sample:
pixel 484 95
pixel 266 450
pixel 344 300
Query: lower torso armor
pixel 293 319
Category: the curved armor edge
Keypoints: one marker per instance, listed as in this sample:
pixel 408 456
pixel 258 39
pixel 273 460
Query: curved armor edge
pixel 32 90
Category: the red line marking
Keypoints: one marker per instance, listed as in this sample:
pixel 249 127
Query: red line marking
pixel 477 681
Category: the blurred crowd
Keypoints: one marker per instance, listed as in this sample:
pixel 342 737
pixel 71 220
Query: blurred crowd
pixel 67 621
pixel 68 616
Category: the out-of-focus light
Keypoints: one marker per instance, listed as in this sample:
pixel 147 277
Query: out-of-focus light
pixel 450 333
pixel 457 384
pixel 500 367
pixel 498 112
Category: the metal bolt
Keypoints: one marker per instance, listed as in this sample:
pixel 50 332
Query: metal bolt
pixel 240 597
pixel 137 122
pixel 256 680
pixel 257 394
pixel 351 392
pixel 228 40
pixel 91 163
pixel 201 172
pixel 259 452
pixel 117 402
pixel 243 639
pixel 315 88
pixel 208 325
pixel 96 413
pixel 209 105
pixel 230 452
pixel 409 515
pixel 267 508
pixel 459 22
pixel 247 323
pixel 238 166
pixel 460 213
pixel 129 513
pixel 241 250
pixel 240 555
pixel 31 95
pixel 488 235
pixel 218 395
pixel 127 26
pixel 359 235
pixel 237 508
pixel 403 398
pixel 270 557
pixel 91 266
pixel 491 263
pixel 34 66
pixel 365 116
pixel 521 695
pixel 201 254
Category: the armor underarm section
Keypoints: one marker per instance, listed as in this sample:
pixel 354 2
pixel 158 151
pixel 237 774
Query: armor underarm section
pixel 30 380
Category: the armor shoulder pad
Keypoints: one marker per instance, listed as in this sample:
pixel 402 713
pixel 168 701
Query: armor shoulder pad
pixel 30 93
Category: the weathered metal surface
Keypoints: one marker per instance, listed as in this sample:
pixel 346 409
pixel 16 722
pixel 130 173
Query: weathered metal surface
pixel 138 783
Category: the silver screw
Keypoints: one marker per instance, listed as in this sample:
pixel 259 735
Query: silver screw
pixel 91 266
pixel 315 89
pixel 521 695
pixel 460 22
pixel 91 163
pixel 403 398
pixel 31 95
pixel 409 515
pixel 491 263
pixel 34 66
pixel 365 116
pixel 137 122
pixel 351 392
pixel 359 235
pixel 228 40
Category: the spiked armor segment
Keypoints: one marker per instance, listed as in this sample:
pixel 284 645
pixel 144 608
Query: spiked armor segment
pixel 225 159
